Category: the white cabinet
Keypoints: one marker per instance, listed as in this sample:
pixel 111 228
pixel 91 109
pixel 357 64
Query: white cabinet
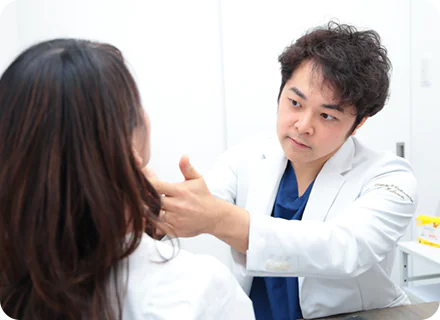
pixel 423 253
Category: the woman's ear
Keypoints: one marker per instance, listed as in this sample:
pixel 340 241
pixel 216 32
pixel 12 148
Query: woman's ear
pixel 137 158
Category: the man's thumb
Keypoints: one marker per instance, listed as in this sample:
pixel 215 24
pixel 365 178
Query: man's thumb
pixel 149 173
pixel 187 169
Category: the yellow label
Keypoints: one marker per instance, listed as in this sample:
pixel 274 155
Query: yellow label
pixel 422 220
pixel 423 241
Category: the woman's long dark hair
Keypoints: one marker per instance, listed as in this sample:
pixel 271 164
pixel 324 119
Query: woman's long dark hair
pixel 69 185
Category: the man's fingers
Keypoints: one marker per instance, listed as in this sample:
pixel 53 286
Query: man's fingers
pixel 166 188
pixel 187 169
pixel 149 173
pixel 165 224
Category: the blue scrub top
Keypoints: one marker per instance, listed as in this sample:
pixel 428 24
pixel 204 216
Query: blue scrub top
pixel 277 298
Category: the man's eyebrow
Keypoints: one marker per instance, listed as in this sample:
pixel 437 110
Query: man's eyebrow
pixel 299 93
pixel 333 107
pixel 327 106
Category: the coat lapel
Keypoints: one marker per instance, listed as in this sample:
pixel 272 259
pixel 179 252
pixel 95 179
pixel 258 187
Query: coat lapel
pixel 329 182
pixel 265 176
pixel 267 172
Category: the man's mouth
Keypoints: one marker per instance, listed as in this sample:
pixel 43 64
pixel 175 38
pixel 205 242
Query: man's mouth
pixel 299 143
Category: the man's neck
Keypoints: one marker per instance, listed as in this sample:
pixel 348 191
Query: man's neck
pixel 305 174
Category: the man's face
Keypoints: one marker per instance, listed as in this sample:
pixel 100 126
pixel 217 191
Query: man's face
pixel 311 126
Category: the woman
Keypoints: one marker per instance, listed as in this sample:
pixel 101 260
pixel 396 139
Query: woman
pixel 75 206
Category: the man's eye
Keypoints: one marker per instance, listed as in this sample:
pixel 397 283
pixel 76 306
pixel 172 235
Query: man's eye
pixel 328 117
pixel 295 103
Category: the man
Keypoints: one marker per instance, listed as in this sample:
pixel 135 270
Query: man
pixel 313 216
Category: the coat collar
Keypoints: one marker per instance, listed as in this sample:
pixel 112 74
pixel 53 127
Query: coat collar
pixel 328 183
pixel 266 175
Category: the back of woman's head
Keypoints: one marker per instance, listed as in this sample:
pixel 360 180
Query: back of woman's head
pixel 69 186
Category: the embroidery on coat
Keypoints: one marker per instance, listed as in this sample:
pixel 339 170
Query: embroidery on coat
pixel 394 189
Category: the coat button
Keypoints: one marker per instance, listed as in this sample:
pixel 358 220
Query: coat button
pixel 272 265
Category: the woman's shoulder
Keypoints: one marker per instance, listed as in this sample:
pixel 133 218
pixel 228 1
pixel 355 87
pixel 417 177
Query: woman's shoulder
pixel 168 255
pixel 162 277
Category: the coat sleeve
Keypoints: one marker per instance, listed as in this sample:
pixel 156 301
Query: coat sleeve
pixel 223 182
pixel 346 246
pixel 222 178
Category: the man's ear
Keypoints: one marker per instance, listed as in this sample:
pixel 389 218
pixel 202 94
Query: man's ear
pixel 359 125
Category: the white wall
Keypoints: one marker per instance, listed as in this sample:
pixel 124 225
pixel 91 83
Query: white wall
pixel 255 33
pixel 425 111
pixel 174 49
pixel 209 76
pixel 8 35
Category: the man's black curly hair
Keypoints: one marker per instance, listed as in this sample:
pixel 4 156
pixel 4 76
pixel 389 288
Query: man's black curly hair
pixel 353 63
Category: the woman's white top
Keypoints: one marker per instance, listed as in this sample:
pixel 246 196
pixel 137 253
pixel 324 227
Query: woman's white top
pixel 186 287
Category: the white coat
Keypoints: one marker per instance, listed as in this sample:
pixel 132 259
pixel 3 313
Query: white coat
pixel 187 287
pixel 343 249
